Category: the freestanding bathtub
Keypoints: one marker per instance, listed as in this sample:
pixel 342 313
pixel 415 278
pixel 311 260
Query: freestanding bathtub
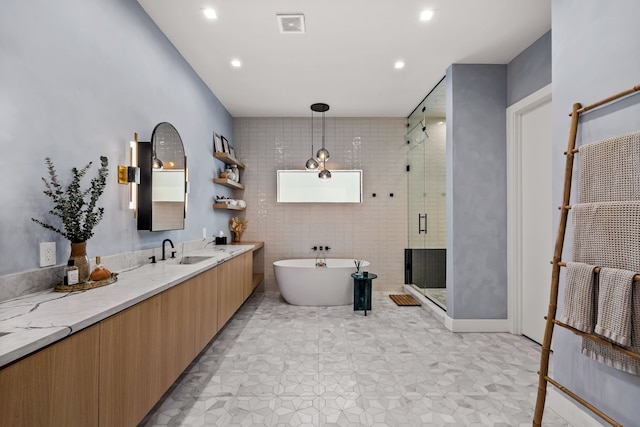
pixel 302 283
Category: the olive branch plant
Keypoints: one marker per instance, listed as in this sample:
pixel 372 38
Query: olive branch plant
pixel 76 207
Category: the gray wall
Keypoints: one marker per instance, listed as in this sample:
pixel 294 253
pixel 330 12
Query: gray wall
pixel 77 79
pixel 594 45
pixel 530 70
pixel 476 192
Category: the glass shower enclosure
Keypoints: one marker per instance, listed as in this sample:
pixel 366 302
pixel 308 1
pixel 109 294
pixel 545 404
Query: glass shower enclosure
pixel 425 255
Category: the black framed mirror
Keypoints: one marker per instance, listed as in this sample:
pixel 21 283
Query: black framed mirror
pixel 161 193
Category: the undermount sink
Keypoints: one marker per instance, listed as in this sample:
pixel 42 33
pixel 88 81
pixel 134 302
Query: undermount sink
pixel 194 259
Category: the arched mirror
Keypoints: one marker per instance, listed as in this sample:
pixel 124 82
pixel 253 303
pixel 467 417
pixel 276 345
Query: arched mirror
pixel 161 193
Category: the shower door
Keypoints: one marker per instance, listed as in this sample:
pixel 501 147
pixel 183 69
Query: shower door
pixel 425 256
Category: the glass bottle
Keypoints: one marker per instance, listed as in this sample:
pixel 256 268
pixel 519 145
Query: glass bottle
pixel 71 273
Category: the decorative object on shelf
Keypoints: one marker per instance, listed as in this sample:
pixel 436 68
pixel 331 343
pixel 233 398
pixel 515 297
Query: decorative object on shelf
pixel 217 143
pixel 323 154
pixel 237 227
pixel 232 152
pixel 225 145
pixel 236 172
pixel 230 174
pixel 79 215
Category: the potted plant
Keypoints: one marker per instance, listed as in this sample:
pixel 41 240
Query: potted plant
pixel 77 209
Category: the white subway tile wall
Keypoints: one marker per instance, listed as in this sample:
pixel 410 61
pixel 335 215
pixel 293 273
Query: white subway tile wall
pixel 375 230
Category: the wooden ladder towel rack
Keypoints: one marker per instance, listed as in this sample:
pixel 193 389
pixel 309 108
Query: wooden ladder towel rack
pixel 551 321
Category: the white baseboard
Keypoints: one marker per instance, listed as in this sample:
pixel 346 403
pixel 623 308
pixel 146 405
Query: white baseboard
pixel 568 410
pixel 476 325
pixel 459 325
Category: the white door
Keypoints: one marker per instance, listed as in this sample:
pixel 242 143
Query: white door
pixel 536 221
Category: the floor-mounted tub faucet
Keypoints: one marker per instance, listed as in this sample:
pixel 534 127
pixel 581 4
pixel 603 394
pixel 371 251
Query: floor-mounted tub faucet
pixel 320 259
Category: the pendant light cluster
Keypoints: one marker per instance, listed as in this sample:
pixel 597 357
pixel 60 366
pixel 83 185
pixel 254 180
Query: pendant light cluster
pixel 319 161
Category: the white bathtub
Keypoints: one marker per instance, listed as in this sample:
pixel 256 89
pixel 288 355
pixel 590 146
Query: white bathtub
pixel 302 283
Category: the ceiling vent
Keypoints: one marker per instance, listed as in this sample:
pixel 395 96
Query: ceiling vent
pixel 291 23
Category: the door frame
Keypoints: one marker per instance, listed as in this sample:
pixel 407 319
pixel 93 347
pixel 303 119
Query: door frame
pixel 515 113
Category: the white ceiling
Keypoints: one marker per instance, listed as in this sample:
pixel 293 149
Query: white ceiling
pixel 346 57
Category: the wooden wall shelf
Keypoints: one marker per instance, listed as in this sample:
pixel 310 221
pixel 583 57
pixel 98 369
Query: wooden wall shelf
pixel 228 183
pixel 225 158
pixel 227 207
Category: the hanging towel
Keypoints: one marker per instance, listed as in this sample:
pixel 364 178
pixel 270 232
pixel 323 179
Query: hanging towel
pixel 607 234
pixel 614 305
pixel 606 355
pixel 579 297
pixel 610 170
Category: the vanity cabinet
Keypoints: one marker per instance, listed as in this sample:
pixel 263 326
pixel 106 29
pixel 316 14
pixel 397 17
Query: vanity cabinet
pixel 178 330
pixel 230 287
pixel 131 352
pixel 114 372
pixel 206 307
pixel 228 160
pixel 247 275
pixel 57 386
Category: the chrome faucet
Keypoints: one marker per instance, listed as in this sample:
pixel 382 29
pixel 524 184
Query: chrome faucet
pixel 173 254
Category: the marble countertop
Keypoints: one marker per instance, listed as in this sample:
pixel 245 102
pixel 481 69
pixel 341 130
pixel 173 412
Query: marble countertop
pixel 34 321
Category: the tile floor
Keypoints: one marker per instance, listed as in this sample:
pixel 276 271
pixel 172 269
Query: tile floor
pixel 276 364
pixel 437 295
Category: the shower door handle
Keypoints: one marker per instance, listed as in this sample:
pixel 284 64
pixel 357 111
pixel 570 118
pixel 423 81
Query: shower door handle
pixel 420 229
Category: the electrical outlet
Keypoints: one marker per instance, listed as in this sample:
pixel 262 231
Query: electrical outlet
pixel 47 254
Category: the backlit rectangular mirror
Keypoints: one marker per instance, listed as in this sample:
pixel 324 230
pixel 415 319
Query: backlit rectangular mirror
pixel 299 186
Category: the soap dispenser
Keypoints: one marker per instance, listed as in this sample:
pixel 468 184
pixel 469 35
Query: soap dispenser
pixel 221 239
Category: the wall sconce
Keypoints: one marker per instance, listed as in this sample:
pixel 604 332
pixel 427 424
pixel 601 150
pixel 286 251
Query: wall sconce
pixel 187 186
pixel 131 175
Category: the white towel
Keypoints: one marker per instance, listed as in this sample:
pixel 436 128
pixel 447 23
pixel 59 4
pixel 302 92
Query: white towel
pixel 579 297
pixel 607 234
pixel 615 305
pixel 606 355
pixel 610 169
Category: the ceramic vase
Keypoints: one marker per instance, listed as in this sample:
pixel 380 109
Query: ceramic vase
pixel 80 260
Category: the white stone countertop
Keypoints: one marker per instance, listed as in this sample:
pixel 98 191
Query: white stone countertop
pixel 32 322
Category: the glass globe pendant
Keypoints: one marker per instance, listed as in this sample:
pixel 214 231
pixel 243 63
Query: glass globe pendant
pixel 312 164
pixel 324 174
pixel 323 154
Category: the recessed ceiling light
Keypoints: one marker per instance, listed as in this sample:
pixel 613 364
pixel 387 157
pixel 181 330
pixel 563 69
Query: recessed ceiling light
pixel 210 13
pixel 426 15
pixel 236 63
pixel 399 65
